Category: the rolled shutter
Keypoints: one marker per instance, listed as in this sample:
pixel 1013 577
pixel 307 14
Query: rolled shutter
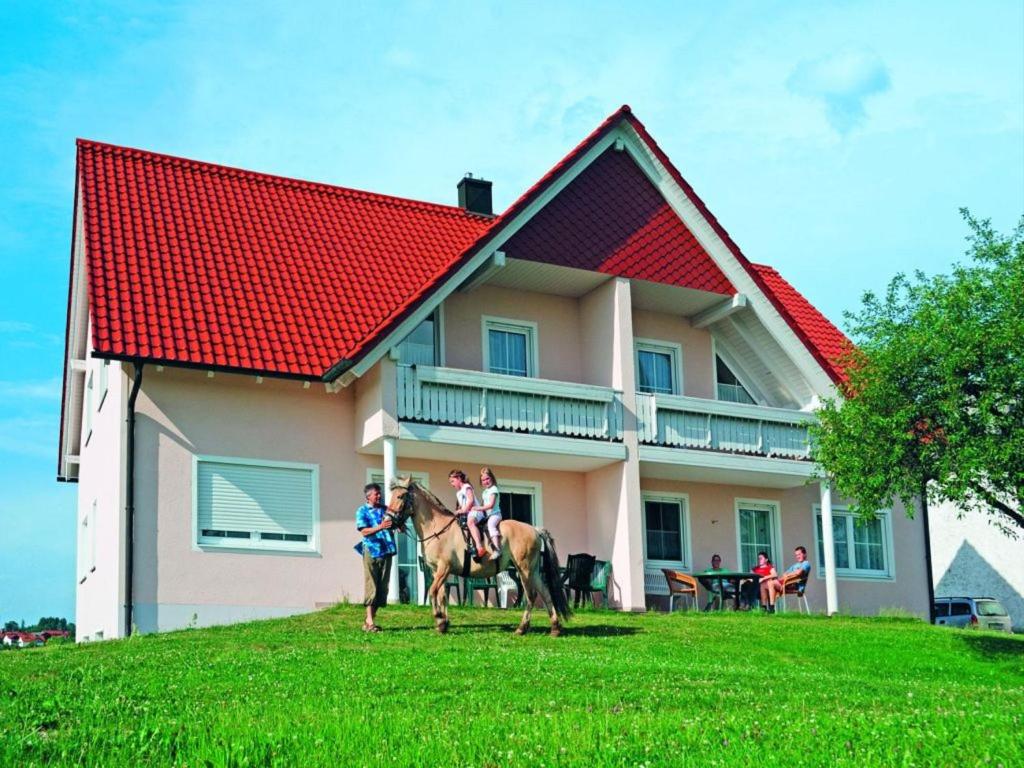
pixel 256 499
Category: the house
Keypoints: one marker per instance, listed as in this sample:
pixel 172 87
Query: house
pixel 245 352
pixel 972 557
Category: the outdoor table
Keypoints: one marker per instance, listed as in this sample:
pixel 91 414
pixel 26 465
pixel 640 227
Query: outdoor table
pixel 707 578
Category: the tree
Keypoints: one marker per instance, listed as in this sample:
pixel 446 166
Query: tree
pixel 11 626
pixel 934 388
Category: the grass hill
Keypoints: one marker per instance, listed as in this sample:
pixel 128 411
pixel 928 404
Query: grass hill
pixel 617 689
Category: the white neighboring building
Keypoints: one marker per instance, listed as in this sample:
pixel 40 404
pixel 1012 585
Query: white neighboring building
pixel 972 558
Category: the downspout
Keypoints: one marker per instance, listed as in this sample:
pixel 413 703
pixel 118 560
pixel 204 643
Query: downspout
pixel 129 510
pixel 928 553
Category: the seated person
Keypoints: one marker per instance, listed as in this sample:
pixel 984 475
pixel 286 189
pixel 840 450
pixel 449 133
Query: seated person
pixel 750 590
pixel 801 568
pixel 717 590
pixel 464 503
pixel 768 578
pixel 489 508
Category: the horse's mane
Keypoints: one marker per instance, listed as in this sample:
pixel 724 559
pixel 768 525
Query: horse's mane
pixel 438 504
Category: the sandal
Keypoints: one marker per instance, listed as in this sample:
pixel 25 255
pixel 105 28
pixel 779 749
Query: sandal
pixel 371 628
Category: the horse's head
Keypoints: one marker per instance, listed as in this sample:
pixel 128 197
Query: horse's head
pixel 400 503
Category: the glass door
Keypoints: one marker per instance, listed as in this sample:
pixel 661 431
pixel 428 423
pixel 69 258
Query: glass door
pixel 756 533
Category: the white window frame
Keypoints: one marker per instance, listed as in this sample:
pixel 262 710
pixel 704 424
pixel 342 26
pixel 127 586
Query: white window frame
pixel 259 546
pixel 526 487
pixel 526 327
pixel 857 574
pixel 683 499
pixel 716 351
pixel 439 346
pixel 675 353
pixel 776 528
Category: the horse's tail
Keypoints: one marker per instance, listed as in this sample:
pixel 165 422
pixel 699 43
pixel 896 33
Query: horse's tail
pixel 552 579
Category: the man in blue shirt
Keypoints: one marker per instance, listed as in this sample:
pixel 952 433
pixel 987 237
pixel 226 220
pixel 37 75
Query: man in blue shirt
pixel 377 549
pixel 797 571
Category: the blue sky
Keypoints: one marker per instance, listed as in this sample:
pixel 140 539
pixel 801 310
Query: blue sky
pixel 834 141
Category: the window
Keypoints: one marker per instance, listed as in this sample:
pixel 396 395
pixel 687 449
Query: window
pixel 423 345
pixel 519 501
pixel 862 547
pixel 250 504
pixel 657 368
pixel 756 526
pixel 104 376
pixel 729 387
pixel 941 610
pixel 510 347
pixel 665 530
pixel 960 609
pixel 87 422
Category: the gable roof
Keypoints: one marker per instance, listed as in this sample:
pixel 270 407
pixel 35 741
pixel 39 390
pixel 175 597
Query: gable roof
pixel 611 219
pixel 202 265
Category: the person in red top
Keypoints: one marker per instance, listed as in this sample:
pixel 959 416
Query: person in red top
pixel 768 575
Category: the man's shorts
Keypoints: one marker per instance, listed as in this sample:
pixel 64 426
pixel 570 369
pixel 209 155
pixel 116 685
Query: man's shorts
pixel 377 573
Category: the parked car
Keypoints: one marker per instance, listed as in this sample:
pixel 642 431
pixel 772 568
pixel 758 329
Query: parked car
pixel 972 612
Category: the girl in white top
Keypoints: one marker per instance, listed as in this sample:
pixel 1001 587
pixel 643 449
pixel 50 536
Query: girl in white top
pixel 465 501
pixel 490 505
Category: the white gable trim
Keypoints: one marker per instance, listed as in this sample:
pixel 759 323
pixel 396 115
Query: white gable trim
pixel 719 252
pixel 75 362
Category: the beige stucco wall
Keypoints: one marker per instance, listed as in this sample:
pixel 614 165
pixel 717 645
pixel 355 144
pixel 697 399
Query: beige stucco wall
pixel 181 414
pixel 558 329
pixel 99 598
pixel 713 524
pixel 698 358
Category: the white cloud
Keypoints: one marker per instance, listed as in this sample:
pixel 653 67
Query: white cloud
pixel 14 326
pixel 39 389
pixel 842 82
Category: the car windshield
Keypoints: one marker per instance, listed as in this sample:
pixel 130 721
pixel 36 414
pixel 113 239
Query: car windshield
pixel 990 608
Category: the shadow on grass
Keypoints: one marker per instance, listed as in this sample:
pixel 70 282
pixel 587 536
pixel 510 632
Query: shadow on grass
pixel 594 630
pixel 994 647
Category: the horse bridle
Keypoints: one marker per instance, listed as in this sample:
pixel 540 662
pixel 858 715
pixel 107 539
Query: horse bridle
pixel 401 515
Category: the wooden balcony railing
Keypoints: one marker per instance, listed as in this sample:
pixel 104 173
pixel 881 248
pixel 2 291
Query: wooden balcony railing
pixel 458 397
pixel 690 422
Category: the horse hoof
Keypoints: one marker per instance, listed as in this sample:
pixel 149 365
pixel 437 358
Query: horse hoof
pixel 556 631
pixel 442 627
pixel 522 631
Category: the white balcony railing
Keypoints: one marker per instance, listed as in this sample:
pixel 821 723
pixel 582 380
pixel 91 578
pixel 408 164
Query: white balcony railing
pixel 458 397
pixel 690 422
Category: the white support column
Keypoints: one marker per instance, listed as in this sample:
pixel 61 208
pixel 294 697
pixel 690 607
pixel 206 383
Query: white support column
pixel 390 473
pixel 828 543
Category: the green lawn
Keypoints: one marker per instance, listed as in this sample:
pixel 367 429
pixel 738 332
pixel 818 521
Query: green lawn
pixel 682 689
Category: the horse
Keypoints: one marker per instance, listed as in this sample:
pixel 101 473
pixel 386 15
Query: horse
pixel 530 550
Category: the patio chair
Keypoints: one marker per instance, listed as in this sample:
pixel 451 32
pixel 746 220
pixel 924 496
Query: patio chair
pixel 795 585
pixel 475 584
pixel 601 582
pixel 506 584
pixel 680 585
pixel 452 582
pixel 579 570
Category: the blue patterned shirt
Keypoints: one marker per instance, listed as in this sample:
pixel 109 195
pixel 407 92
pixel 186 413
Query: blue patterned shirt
pixel 379 544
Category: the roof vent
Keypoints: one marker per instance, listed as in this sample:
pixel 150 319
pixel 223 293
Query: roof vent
pixel 475 195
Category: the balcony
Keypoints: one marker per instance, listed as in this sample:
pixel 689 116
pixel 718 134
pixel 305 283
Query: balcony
pixel 689 422
pixel 515 404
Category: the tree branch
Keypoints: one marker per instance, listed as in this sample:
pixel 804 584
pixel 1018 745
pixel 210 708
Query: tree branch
pixel 993 501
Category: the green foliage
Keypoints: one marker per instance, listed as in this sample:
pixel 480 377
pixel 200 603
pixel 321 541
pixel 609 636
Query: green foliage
pixel 935 387
pixel 618 689
pixel 11 626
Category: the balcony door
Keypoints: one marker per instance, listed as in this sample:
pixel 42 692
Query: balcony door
pixel 423 345
pixel 757 528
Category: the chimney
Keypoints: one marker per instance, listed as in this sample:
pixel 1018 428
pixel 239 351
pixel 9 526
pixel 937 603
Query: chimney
pixel 475 195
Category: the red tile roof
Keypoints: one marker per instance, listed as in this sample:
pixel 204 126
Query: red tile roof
pixel 826 342
pixel 193 263
pixel 197 264
pixel 611 219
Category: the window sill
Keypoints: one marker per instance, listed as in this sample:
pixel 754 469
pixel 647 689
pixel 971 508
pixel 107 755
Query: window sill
pixel 203 546
pixel 856 576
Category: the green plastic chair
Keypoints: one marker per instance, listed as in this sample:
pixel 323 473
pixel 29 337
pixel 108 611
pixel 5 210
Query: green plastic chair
pixel 473 584
pixel 452 582
pixel 601 582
